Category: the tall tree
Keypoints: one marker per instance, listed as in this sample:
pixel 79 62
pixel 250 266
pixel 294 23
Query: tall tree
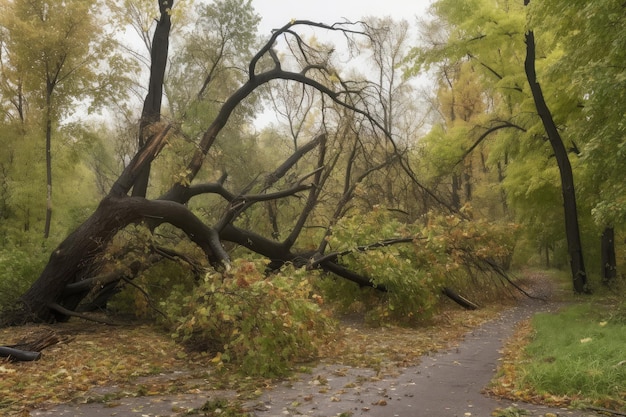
pixel 572 230
pixel 588 66
pixel 493 39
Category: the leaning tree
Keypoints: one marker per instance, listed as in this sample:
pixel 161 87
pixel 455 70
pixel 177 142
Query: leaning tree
pixel 71 274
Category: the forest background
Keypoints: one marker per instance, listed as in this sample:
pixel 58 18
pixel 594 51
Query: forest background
pixel 370 190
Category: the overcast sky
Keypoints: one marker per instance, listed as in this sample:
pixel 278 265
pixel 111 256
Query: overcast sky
pixel 276 13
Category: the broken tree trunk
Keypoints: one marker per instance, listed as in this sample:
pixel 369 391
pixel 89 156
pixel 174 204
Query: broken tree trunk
pixel 30 351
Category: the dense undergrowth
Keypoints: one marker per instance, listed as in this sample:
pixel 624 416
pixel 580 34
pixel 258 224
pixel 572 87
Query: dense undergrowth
pixel 263 324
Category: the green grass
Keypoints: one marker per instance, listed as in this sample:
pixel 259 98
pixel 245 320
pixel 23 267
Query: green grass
pixel 580 352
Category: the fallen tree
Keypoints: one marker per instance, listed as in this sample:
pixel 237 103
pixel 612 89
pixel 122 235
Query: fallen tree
pixel 69 275
pixel 73 277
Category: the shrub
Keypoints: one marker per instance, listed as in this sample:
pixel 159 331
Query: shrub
pixel 261 324
pixel 411 289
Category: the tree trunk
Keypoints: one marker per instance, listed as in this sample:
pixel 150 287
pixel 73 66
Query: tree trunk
pixel 572 231
pixel 609 268
pixel 151 112
pixel 456 187
pixel 47 299
pixel 18 355
pixel 46 230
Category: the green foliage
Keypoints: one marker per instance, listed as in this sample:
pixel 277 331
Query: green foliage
pixel 579 353
pixel 410 288
pixel 20 266
pixel 54 65
pixel 462 252
pixel 580 49
pixel 262 324
pixel 448 250
pixel 589 42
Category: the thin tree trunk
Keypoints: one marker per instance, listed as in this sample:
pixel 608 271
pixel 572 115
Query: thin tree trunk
pixel 46 230
pixel 609 268
pixel 572 231
pixel 456 186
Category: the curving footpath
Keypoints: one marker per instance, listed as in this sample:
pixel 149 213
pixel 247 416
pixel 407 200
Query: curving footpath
pixel 445 384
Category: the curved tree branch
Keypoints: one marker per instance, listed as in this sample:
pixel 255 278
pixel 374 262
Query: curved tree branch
pixel 484 135
pixel 363 248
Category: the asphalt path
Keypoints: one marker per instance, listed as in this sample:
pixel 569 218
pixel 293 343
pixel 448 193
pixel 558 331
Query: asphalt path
pixel 445 384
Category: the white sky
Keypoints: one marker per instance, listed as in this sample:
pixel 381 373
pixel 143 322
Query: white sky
pixel 276 13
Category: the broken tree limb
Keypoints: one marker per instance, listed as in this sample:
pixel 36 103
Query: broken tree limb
pixel 344 272
pixel 18 355
pixel 459 299
pixel 30 350
pixel 69 313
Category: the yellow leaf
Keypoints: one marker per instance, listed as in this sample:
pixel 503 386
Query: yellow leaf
pixel 4 370
pixel 586 340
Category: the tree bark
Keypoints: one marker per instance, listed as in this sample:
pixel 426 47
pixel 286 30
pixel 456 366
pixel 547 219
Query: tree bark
pixel 572 231
pixel 151 112
pixel 67 262
pixel 18 355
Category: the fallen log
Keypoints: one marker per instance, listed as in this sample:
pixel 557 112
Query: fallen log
pixel 30 350
pixel 18 355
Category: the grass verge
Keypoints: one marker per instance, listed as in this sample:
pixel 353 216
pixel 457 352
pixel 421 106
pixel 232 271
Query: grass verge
pixel 574 358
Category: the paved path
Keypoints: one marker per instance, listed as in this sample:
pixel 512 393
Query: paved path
pixel 445 384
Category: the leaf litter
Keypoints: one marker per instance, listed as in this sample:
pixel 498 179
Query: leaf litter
pixel 99 363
